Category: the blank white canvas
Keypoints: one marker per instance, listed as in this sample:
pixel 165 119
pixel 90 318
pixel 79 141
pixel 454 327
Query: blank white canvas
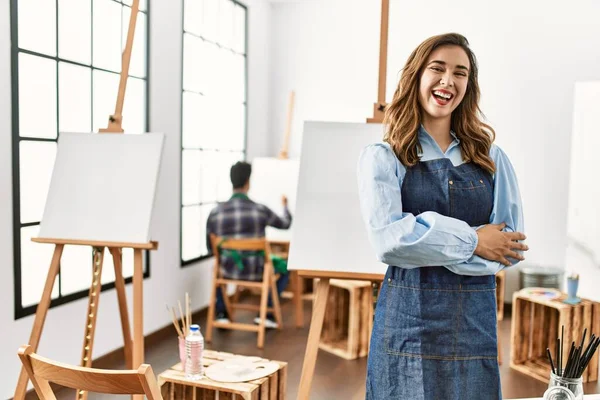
pixel 328 232
pixel 272 178
pixel 103 187
pixel 583 225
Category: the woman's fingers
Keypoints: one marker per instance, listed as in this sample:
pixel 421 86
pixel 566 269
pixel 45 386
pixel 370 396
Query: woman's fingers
pixel 519 246
pixel 515 235
pixel 505 261
pixel 514 255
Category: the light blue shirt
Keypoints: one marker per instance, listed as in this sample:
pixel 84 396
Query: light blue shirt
pixel 430 239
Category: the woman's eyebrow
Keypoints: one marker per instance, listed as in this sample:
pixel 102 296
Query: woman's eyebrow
pixel 444 64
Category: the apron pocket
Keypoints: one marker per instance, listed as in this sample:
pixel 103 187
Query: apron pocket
pixel 470 201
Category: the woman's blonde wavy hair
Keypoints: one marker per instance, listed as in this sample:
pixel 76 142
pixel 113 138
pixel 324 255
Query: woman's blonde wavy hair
pixel 403 115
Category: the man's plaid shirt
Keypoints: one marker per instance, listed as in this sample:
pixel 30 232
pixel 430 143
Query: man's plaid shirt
pixel 240 217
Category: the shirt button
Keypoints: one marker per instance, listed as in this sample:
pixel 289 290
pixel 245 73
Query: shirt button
pixel 450 182
pixel 389 279
pixel 481 181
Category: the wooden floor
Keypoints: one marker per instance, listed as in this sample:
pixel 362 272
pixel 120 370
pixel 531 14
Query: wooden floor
pixel 334 378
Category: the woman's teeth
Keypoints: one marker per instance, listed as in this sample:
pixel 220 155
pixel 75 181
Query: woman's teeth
pixel 445 96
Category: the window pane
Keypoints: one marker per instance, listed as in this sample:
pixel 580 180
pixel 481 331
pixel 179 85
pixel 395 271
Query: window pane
pixel 212 64
pixel 193 119
pixel 190 177
pixel 75 85
pixel 128 263
pixel 74 31
pixel 200 183
pixel 194 63
pixel 234 132
pixel 193 226
pixel 239 29
pixel 211 172
pixel 75 269
pixel 142 4
pixel 222 167
pixel 134 109
pixel 212 130
pixel 225 82
pixel 192 16
pixel 36 161
pixel 238 78
pixel 226 23
pixel 137 66
pixel 106 86
pixel 107 35
pixel 37 26
pixel 108 268
pixel 191 219
pixel 37 96
pixel 35 262
pixel 210 19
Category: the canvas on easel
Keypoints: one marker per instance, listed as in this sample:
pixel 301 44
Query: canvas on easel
pixel 272 178
pixel 102 187
pixel 330 239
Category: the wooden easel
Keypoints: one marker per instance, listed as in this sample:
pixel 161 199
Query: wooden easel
pixel 322 289
pixel 134 349
pixel 288 127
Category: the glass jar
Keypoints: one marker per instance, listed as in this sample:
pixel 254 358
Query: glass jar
pixel 560 388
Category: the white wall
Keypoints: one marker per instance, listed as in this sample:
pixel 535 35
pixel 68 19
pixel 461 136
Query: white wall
pixel 63 331
pixel 530 54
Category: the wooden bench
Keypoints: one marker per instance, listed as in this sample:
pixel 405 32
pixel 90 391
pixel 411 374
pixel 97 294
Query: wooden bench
pixel 175 386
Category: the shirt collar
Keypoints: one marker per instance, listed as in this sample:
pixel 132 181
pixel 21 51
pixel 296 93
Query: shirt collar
pixel 425 136
pixel 239 196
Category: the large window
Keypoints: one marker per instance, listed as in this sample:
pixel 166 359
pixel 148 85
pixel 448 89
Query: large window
pixel 214 109
pixel 66 60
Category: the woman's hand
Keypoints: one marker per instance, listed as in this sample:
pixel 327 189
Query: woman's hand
pixel 496 245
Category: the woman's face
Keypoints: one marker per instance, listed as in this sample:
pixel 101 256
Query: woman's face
pixel 444 81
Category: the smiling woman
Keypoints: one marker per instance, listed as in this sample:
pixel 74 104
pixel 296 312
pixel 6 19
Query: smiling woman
pixel 442 209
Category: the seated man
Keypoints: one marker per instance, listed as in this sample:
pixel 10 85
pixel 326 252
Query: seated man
pixel 238 218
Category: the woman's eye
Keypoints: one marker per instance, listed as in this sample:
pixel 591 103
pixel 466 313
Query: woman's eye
pixel 437 69
pixel 461 74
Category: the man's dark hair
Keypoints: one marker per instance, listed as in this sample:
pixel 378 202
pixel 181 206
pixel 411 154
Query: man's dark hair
pixel 240 174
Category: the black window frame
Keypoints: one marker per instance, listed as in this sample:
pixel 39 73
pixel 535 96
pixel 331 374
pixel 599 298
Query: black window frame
pixel 185 263
pixel 19 310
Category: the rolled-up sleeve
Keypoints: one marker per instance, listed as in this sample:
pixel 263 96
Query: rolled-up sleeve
pixel 507 209
pixel 403 239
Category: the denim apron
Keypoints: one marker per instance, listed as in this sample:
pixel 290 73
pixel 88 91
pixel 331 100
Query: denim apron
pixel 434 335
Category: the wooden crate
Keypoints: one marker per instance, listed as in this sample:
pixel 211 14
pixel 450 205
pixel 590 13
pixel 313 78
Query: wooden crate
pixel 348 319
pixel 175 386
pixel 536 325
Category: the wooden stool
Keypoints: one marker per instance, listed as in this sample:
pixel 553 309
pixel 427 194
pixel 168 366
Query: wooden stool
pixel 174 385
pixel 536 324
pixel 347 323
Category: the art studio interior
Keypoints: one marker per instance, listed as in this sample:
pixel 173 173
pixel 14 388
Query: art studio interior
pixel 299 199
